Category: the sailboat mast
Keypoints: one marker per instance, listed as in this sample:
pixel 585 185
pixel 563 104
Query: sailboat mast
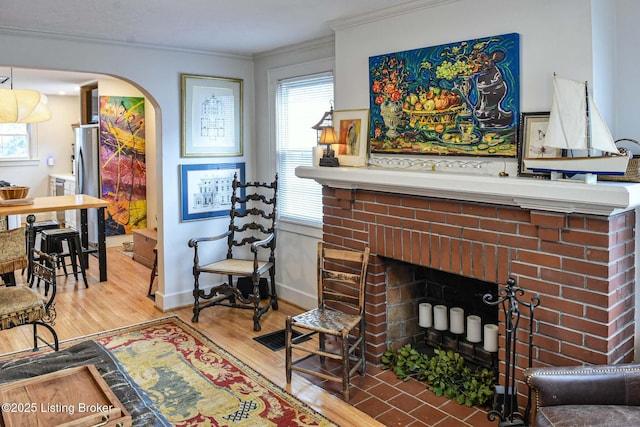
pixel 586 95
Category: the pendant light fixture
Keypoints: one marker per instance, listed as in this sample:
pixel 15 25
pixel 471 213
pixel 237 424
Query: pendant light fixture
pixel 22 105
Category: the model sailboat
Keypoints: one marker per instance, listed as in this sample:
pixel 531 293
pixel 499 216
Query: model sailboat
pixel 576 124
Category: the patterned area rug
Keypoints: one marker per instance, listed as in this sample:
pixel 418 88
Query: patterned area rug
pixel 194 382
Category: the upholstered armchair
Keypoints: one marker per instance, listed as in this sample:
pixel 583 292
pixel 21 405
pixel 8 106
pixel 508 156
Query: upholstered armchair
pixel 607 395
pixel 13 254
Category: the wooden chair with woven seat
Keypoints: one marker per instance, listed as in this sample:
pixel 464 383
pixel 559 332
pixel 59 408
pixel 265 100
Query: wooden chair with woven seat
pixel 251 244
pixel 20 305
pixel 340 313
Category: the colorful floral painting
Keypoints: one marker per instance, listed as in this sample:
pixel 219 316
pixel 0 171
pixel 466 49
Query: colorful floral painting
pixel 122 163
pixel 455 99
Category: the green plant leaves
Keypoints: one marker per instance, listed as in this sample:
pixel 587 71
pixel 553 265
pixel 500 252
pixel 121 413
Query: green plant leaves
pixel 445 373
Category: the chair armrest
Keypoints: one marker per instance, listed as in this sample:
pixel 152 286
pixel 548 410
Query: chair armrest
pixel 193 243
pixel 585 385
pixel 262 243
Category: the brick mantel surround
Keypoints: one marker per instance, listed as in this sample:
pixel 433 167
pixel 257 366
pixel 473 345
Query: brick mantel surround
pixel 571 243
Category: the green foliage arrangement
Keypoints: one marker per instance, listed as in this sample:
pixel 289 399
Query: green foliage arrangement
pixel 445 373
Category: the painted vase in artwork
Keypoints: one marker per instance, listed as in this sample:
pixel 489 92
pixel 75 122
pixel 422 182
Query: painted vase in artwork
pixel 391 111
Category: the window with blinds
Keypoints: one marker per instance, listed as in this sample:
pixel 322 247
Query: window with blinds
pixel 300 104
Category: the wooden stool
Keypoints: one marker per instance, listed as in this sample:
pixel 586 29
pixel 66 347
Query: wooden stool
pixel 52 242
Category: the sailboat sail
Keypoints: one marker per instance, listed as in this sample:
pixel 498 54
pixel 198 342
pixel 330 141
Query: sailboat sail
pixel 573 126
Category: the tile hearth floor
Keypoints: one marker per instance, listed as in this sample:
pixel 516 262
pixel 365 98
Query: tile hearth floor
pixel 395 402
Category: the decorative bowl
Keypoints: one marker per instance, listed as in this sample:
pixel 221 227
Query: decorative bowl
pixel 14 192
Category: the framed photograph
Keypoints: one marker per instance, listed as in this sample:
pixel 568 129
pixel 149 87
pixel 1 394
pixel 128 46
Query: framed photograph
pixel 211 116
pixel 205 190
pixel 352 129
pixel 533 127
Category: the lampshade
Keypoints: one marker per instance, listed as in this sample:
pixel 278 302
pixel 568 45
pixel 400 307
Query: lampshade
pixel 23 106
pixel 328 136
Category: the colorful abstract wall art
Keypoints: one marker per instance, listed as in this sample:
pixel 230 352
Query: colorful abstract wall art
pixel 123 164
pixel 460 98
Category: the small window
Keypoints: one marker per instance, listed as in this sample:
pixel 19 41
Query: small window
pixel 14 141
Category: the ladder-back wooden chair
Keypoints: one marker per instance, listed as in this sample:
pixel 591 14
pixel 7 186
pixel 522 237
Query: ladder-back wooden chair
pixel 251 244
pixel 21 305
pixel 341 299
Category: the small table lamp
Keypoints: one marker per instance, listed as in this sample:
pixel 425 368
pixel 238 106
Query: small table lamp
pixel 329 137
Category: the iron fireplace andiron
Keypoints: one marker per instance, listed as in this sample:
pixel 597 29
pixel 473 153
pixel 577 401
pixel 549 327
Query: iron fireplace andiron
pixel 505 405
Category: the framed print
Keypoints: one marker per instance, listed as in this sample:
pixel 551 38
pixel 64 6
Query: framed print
pixel 211 116
pixel 352 129
pixel 533 127
pixel 205 190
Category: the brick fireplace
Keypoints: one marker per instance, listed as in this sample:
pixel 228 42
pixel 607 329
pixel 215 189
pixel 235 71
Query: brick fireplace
pixel 573 244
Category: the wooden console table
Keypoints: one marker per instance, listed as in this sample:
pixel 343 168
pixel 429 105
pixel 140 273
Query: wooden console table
pixel 69 202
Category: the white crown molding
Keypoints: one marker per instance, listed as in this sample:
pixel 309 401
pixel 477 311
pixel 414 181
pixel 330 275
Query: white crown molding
pixel 389 12
pixel 328 41
pixel 49 35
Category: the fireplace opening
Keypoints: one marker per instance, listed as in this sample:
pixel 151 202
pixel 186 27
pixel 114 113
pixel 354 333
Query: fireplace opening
pixel 457 318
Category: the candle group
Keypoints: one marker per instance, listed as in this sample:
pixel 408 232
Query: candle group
pixel 441 318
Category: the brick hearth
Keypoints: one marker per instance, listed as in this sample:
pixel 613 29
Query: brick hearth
pixel 581 265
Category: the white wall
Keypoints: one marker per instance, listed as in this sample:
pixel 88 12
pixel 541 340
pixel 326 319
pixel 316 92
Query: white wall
pixel 156 73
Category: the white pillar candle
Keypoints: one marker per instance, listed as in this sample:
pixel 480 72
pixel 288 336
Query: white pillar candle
pixel 316 155
pixel 425 315
pixel 474 328
pixel 491 338
pixel 440 320
pixel 456 315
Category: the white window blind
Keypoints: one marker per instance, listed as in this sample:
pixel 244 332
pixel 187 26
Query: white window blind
pixel 300 104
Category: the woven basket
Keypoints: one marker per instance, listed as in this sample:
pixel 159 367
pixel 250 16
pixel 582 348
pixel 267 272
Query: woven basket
pixel 633 168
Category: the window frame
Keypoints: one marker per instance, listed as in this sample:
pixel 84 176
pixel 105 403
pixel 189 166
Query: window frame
pixel 327 65
pixel 32 157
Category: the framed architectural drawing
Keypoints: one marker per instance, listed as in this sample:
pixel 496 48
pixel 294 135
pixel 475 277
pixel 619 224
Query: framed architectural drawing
pixel 460 98
pixel 211 116
pixel 352 129
pixel 206 189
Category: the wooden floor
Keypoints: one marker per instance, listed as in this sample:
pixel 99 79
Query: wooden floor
pixel 122 301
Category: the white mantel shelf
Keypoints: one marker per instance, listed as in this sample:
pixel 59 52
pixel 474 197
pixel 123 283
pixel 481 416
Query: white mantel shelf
pixel 601 198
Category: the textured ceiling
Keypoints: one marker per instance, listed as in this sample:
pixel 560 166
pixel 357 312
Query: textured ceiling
pixel 242 27
pixel 230 26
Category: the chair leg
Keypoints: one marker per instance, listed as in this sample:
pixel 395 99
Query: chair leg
pixel 154 271
pixel 78 258
pixel 321 345
pixel 196 298
pixel 344 348
pixel 363 347
pixel 55 346
pixel 287 344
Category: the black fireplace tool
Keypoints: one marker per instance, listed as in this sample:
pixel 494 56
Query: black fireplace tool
pixel 506 402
